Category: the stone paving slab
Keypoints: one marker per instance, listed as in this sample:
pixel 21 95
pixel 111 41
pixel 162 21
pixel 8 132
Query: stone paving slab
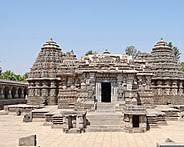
pixel 12 128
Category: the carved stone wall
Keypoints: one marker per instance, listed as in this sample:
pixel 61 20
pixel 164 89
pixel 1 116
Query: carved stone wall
pixel 60 78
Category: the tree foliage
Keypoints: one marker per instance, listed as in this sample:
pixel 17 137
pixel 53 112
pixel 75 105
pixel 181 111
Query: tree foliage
pixel 175 50
pixel 131 51
pixel 176 53
pixel 90 52
pixel 9 75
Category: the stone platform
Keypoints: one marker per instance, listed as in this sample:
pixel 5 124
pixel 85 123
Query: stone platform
pixel 23 107
pixel 48 137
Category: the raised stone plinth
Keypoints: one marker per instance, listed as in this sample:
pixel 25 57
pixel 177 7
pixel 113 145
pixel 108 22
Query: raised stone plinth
pixel 171 113
pixel 22 107
pixel 74 121
pixel 28 141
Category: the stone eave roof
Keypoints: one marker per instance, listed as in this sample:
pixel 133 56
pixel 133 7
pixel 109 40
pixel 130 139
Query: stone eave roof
pixel 4 82
pixel 31 79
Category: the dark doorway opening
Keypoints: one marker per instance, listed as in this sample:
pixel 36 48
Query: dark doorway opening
pixel 106 91
pixel 135 121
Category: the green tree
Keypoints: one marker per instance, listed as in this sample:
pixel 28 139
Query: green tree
pixel 170 44
pixel 9 75
pixel 176 53
pixel 131 51
pixel 90 52
pixel 175 50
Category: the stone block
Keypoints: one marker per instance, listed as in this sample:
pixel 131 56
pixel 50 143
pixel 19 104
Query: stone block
pixel 169 143
pixel 18 111
pixel 27 117
pixel 28 141
pixel 3 112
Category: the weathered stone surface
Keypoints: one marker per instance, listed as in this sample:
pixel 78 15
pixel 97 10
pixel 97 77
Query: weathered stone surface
pixel 74 121
pixel 3 112
pixel 58 78
pixel 27 117
pixel 18 111
pixel 170 143
pixel 28 141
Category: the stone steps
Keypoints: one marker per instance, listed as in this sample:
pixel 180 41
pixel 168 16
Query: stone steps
pixel 57 121
pixel 105 107
pixel 104 121
pixel 104 128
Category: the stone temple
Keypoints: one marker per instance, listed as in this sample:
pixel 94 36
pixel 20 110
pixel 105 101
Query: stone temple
pixel 107 92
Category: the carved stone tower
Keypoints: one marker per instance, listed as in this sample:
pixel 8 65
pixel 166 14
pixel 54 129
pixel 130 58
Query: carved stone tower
pixel 42 78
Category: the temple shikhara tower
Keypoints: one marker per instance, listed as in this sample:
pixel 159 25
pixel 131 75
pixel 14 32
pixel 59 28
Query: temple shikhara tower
pixel 101 86
pixel 168 79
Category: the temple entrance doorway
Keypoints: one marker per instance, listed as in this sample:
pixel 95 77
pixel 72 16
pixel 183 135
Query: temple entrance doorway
pixel 106 92
pixel 135 121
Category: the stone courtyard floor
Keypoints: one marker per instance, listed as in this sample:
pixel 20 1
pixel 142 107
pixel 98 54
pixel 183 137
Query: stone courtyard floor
pixel 12 128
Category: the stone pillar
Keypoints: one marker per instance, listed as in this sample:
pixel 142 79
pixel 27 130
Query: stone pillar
pixel 16 93
pixel 53 89
pixel 22 93
pixel 159 87
pixel 65 123
pixel 44 90
pixel 31 92
pixel 129 85
pixel 1 93
pixel 37 89
pixel 142 123
pixel 167 88
pixel 130 79
pixel 80 121
pixel 98 92
pixel 119 79
pixel 52 96
pixel 9 93
pixel 53 92
pixel 114 92
pixel 174 88
pixel 131 121
pixel 181 88
pixel 60 89
pixel 31 89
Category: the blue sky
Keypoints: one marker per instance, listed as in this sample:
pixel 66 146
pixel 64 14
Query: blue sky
pixel 83 25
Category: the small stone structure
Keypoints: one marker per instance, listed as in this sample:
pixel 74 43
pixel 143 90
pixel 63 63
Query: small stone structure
pixel 28 141
pixel 135 118
pixel 74 121
pixel 27 117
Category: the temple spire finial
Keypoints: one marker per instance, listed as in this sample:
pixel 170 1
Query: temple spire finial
pixel 161 39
